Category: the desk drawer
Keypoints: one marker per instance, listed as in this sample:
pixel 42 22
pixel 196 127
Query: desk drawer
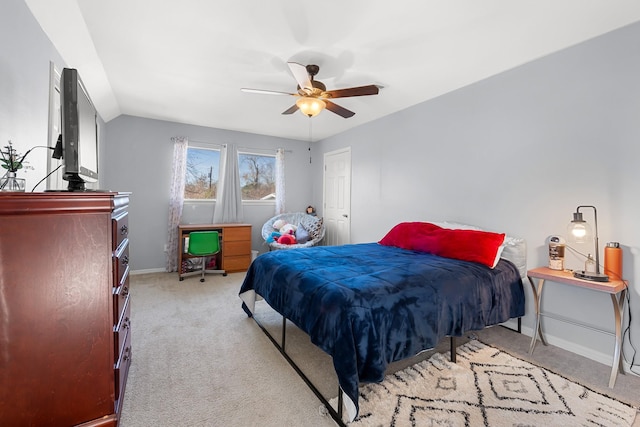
pixel 236 263
pixel 236 248
pixel 232 234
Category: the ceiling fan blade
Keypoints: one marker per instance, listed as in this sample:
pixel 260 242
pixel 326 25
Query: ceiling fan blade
pixel 299 72
pixel 353 91
pixel 341 111
pixel 291 110
pixel 267 92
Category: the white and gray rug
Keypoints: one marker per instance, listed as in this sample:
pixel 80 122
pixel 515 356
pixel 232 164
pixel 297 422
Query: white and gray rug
pixel 486 387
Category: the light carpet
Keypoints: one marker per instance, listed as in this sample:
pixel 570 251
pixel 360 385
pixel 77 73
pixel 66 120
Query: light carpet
pixel 486 387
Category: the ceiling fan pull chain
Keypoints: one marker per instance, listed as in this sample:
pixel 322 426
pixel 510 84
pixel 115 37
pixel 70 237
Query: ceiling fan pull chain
pixel 310 139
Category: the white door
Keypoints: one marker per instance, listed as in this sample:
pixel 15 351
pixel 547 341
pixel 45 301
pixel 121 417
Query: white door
pixel 337 197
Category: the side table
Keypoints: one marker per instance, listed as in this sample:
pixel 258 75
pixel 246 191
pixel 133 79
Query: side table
pixel 617 289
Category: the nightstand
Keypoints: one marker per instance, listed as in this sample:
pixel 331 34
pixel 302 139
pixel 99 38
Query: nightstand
pixel 617 289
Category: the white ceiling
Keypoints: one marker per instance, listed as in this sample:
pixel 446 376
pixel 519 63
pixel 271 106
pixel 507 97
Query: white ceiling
pixel 185 61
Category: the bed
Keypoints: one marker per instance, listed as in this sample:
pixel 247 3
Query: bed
pixel 370 304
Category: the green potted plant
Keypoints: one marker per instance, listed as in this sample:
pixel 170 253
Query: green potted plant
pixel 12 162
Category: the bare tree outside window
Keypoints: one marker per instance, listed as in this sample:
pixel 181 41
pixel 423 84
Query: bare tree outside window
pixel 257 176
pixel 203 167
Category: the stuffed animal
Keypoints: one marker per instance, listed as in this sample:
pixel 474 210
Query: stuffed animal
pixel 273 237
pixel 287 239
pixel 288 229
pixel 279 224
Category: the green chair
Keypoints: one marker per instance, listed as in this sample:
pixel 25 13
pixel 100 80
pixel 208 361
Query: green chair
pixel 205 244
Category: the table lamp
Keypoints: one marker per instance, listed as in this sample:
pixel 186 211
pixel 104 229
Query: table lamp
pixel 580 231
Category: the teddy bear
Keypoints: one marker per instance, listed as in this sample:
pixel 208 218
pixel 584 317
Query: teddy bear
pixel 277 225
pixel 288 229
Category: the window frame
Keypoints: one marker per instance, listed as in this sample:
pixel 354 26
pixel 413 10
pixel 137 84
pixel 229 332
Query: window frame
pixel 203 146
pixel 253 152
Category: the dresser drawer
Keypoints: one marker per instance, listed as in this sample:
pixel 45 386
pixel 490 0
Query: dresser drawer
pixel 120 296
pixel 232 234
pixel 122 366
pixel 121 262
pixel 119 229
pixel 121 330
pixel 236 248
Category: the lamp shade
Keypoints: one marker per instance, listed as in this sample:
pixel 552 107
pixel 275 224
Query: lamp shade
pixel 579 230
pixel 310 106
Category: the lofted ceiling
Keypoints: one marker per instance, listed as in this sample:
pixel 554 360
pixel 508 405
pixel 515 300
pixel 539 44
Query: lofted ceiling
pixel 186 61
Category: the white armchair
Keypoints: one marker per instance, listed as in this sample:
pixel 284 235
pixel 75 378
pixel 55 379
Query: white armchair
pixel 299 219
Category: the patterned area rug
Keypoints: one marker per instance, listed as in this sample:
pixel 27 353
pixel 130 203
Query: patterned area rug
pixel 486 387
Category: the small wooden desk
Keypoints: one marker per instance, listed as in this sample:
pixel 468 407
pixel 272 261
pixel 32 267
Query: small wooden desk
pixel 616 288
pixel 235 245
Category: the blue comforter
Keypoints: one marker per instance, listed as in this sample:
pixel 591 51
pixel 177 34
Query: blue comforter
pixel 367 305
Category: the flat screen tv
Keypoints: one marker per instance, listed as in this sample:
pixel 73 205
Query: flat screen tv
pixel 79 132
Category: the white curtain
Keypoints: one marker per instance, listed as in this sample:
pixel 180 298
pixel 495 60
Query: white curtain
pixel 280 191
pixel 229 199
pixel 176 200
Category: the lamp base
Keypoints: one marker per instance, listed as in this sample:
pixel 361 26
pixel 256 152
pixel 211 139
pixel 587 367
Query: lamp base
pixel 594 277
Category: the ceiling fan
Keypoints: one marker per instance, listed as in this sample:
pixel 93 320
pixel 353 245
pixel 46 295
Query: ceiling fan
pixel 313 96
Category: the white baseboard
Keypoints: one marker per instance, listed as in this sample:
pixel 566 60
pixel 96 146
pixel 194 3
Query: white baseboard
pixel 589 353
pixel 147 271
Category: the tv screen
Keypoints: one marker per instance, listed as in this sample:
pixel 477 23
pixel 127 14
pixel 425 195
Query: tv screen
pixel 79 132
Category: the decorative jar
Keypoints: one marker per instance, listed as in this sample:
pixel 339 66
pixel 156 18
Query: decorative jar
pixel 10 183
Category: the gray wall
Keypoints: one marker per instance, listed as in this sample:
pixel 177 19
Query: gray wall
pixel 25 54
pixel 25 57
pixel 515 153
pixel 139 159
pixel 518 153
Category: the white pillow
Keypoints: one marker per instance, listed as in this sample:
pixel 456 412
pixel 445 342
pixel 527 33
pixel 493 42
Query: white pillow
pixel 515 250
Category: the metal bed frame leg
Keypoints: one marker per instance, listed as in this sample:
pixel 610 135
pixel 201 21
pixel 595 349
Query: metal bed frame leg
pixel 336 415
pixel 452 351
pixel 284 332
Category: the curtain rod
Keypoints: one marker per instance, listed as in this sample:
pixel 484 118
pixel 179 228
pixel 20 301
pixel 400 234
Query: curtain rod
pixel 263 149
pixel 206 142
pixel 239 148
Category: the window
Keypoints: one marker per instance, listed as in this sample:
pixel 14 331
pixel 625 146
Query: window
pixel 203 168
pixel 257 176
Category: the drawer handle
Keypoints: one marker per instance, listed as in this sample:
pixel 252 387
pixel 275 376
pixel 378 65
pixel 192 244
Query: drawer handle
pixel 125 260
pixel 126 323
pixel 126 356
pixel 124 230
pixel 125 292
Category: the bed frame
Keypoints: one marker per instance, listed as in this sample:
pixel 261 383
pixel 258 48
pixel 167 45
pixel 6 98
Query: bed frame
pixel 336 415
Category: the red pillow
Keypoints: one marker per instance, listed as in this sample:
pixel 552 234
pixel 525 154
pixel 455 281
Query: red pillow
pixel 467 245
pixel 483 247
pixel 406 235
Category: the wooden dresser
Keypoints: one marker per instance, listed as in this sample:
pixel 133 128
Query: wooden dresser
pixel 235 255
pixel 65 342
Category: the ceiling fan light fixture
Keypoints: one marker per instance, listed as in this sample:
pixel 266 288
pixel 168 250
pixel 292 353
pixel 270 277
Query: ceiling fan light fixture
pixel 309 106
